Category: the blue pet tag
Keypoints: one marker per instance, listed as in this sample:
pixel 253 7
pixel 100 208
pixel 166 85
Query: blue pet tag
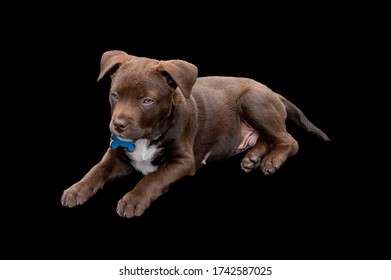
pixel 116 142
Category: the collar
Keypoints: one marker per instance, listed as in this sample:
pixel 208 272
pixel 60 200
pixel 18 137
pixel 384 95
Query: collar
pixel 116 142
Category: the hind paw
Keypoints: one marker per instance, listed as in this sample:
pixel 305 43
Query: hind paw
pixel 250 162
pixel 270 164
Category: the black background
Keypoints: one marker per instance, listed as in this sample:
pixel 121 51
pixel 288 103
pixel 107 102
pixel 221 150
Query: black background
pixel 317 206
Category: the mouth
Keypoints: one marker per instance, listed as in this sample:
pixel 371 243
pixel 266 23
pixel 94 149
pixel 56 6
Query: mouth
pixel 128 135
pixel 124 139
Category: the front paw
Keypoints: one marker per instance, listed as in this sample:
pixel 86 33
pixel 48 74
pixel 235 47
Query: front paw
pixel 76 195
pixel 132 204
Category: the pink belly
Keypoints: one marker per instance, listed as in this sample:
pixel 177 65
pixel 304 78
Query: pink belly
pixel 248 138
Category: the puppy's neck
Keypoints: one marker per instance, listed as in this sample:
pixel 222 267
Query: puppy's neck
pixel 143 155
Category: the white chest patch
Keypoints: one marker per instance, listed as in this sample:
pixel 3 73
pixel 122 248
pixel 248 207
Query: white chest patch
pixel 143 155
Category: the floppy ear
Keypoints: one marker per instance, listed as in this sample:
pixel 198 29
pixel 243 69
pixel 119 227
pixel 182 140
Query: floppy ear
pixel 111 59
pixel 182 73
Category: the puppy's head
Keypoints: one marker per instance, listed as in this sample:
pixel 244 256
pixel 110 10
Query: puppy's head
pixel 143 91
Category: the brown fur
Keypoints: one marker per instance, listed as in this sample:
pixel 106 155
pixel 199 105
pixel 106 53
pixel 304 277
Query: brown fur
pixel 191 120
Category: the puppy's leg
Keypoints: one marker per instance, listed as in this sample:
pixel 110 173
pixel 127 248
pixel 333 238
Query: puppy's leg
pixel 109 168
pixel 152 185
pixel 252 159
pixel 262 110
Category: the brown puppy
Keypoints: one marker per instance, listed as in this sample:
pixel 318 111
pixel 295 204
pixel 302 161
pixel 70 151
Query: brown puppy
pixel 166 123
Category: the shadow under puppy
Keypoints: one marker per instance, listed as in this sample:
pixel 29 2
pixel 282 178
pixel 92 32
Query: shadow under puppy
pixel 166 122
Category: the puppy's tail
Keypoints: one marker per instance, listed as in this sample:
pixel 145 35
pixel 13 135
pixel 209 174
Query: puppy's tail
pixel 298 117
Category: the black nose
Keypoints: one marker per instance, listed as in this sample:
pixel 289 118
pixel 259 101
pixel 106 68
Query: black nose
pixel 120 124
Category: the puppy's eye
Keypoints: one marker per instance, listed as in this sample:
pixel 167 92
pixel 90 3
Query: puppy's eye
pixel 147 101
pixel 114 95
